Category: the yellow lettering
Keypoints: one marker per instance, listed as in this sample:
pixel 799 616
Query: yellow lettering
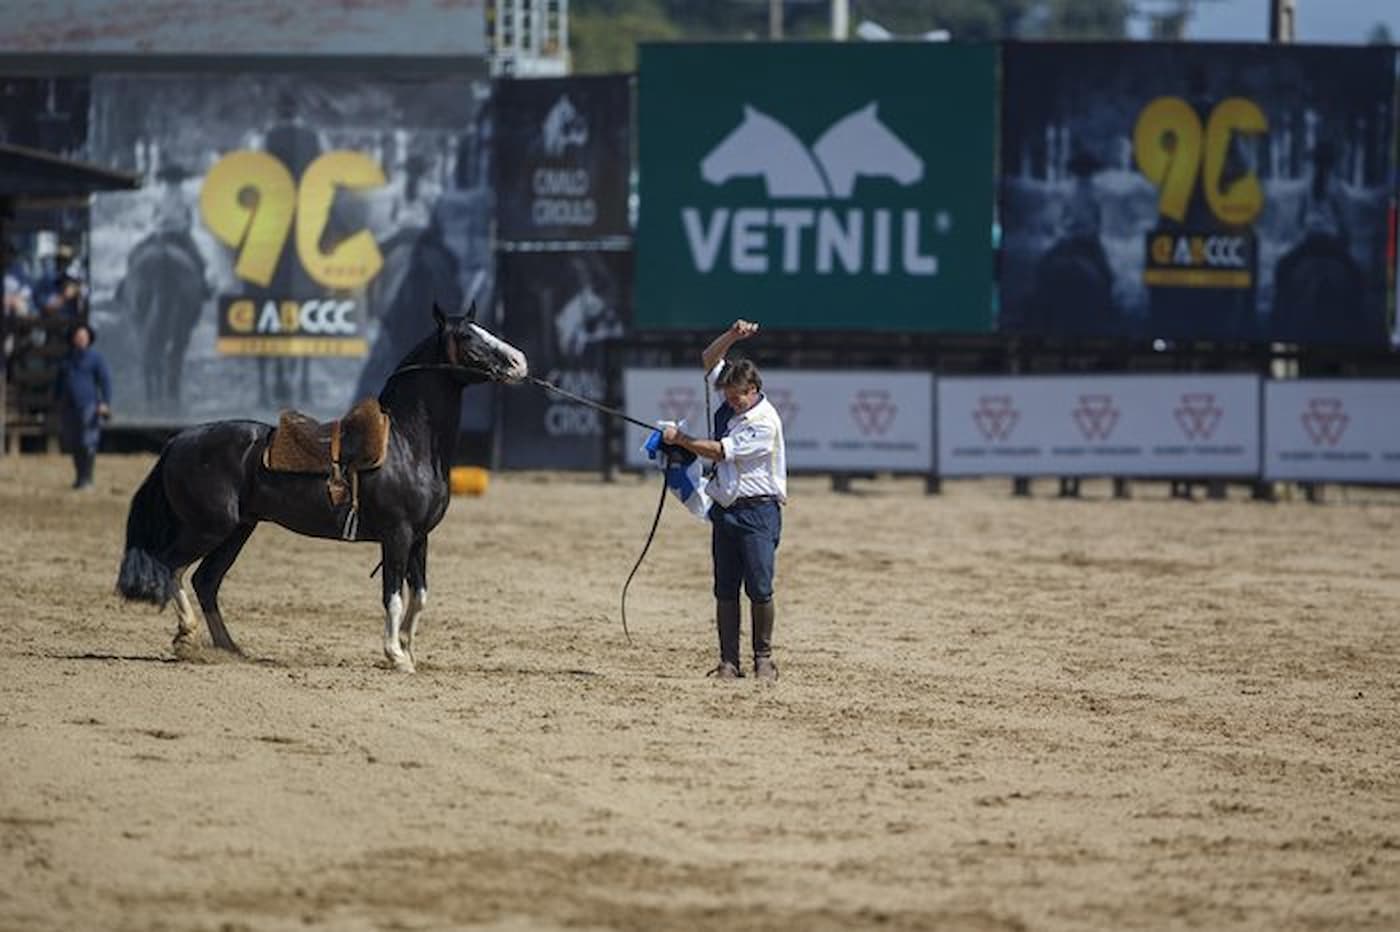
pixel 1242 201
pixel 240 316
pixel 356 260
pixel 1167 147
pixel 247 202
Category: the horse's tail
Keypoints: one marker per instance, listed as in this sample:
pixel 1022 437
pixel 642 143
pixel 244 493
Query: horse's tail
pixel 151 526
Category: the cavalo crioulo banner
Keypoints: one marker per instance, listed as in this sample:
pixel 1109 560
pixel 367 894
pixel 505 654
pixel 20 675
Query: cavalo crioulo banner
pixel 292 236
pixel 830 186
pixel 1233 193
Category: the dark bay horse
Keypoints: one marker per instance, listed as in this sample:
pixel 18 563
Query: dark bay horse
pixel 209 489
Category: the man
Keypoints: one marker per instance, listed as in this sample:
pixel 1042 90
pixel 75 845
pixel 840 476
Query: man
pixel 84 391
pixel 749 489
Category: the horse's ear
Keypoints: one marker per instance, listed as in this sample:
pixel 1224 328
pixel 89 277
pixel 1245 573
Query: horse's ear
pixel 471 312
pixel 439 317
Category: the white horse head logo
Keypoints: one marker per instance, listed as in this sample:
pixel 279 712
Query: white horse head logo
pixel 564 126
pixel 857 144
pixel 760 145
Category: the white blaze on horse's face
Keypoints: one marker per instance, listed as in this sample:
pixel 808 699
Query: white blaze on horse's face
pixel 511 362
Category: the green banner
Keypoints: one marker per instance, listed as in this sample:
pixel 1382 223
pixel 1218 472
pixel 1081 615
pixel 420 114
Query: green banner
pixel 825 186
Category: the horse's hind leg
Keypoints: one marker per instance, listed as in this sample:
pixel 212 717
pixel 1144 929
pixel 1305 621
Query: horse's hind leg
pixel 417 593
pixel 210 575
pixel 184 613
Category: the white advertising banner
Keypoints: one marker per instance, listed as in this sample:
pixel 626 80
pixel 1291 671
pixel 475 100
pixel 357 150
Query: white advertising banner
pixel 840 420
pixel 1326 430
pixel 1130 425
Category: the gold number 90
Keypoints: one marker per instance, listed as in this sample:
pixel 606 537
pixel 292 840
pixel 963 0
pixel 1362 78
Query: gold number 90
pixel 1171 148
pixel 249 200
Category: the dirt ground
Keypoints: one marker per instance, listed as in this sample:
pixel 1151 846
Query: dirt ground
pixel 994 713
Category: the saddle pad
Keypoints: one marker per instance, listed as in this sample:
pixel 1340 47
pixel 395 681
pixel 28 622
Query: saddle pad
pixel 303 445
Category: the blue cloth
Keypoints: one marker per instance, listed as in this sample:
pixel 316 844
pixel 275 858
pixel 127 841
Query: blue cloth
pixel 744 544
pixel 683 473
pixel 84 382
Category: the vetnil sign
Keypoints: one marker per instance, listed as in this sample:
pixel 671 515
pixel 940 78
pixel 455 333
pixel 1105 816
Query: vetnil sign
pixel 816 186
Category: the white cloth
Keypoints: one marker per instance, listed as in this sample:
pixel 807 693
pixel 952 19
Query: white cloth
pixel 755 457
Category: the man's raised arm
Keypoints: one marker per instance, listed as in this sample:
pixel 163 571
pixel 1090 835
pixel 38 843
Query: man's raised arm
pixel 739 330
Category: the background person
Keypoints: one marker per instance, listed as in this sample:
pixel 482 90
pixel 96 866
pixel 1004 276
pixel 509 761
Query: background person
pixel 84 392
pixel 749 489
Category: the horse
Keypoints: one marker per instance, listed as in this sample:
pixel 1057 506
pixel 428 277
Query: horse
pixel 859 144
pixel 760 145
pixel 165 290
pixel 563 126
pixel 209 489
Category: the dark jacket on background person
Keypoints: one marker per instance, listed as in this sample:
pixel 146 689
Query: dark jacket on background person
pixel 84 382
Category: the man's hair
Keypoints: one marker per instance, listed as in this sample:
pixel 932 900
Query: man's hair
pixel 741 373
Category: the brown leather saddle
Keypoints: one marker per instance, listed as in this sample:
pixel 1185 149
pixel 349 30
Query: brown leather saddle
pixel 339 449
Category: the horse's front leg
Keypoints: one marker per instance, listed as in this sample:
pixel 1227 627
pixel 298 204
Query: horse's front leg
pixel 395 552
pixel 417 593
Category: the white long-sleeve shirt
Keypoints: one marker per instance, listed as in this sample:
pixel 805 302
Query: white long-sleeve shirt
pixel 755 457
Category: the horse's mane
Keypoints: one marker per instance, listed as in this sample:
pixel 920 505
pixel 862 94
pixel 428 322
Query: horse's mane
pixel 427 352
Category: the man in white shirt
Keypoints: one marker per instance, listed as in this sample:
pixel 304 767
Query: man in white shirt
pixel 749 489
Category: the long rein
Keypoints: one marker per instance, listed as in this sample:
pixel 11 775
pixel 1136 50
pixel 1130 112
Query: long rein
pixel 660 502
pixel 604 409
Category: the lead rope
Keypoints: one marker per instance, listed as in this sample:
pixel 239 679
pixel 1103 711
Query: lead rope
pixel 660 503
pixel 651 535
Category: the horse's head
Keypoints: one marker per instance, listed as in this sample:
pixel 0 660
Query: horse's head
pixel 479 353
pixel 860 144
pixel 564 126
pixel 760 145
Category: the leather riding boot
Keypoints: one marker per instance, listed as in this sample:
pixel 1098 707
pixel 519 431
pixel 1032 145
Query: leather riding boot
pixel 763 666
pixel 727 622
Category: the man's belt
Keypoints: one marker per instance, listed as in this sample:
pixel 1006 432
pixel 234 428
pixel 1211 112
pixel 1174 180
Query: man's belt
pixel 749 500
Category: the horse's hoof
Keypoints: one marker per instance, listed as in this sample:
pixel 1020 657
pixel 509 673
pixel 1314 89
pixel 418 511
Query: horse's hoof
pixel 403 663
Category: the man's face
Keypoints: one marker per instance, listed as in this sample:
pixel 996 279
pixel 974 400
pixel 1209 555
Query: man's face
pixel 741 398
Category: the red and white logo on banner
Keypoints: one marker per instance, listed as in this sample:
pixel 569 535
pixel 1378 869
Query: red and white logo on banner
pixel 786 405
pixel 1198 415
pixel 682 404
pixel 1096 416
pixel 995 417
pixel 873 410
pixel 1325 421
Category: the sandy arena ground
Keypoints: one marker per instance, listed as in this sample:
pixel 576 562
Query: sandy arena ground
pixel 993 714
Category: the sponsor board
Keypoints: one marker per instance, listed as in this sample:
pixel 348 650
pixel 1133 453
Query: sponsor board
pixel 289 238
pixel 824 183
pixel 561 309
pixel 565 157
pixel 1099 425
pixel 832 420
pixel 1326 430
pixel 1197 192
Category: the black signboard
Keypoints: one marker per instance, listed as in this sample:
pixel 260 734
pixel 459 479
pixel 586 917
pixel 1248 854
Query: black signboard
pixel 562 158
